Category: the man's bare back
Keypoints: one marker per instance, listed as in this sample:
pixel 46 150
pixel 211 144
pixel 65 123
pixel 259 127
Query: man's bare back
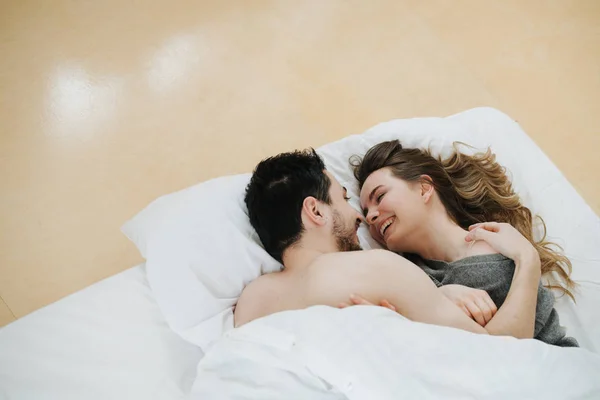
pixel 332 277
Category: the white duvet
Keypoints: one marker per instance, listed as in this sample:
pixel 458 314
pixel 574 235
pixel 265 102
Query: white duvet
pixel 373 353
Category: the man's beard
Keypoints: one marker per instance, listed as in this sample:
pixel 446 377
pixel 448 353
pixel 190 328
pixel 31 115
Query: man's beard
pixel 344 237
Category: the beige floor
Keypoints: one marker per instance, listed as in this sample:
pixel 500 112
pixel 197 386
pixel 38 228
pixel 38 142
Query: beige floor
pixel 105 105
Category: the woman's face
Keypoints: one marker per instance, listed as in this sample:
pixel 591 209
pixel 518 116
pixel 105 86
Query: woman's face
pixel 393 208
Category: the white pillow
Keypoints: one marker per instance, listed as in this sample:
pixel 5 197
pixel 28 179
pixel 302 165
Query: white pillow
pixel 201 249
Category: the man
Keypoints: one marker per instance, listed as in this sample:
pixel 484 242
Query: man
pixel 303 219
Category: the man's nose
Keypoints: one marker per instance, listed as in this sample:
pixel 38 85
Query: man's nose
pixel 359 219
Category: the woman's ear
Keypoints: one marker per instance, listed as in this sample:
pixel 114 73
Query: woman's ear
pixel 427 188
pixel 313 211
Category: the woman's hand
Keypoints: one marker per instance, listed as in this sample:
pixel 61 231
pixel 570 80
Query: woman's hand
pixel 516 317
pixel 506 240
pixel 477 304
pixel 359 301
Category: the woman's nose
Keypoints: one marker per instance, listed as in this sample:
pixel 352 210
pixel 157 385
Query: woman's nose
pixel 372 217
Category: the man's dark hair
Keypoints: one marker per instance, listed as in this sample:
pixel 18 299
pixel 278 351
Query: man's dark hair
pixel 275 195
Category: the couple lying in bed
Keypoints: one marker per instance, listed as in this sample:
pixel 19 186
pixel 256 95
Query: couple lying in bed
pixel 477 266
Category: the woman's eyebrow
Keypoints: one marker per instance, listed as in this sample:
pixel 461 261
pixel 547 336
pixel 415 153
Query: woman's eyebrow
pixel 373 192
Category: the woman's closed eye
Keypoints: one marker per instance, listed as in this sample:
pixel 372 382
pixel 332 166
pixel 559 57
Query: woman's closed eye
pixel 380 197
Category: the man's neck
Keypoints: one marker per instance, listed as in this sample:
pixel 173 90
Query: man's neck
pixel 302 254
pixel 444 241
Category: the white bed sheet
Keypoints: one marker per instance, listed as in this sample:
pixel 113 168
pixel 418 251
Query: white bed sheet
pixel 108 341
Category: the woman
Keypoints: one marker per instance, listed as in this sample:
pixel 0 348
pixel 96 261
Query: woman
pixel 417 204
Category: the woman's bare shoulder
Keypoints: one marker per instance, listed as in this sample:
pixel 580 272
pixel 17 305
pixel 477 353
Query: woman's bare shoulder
pixel 480 248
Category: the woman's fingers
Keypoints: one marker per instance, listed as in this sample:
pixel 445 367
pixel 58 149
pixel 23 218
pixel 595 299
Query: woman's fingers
pixel 387 304
pixel 489 226
pixel 359 301
pixel 476 312
pixel 482 308
pixel 482 232
pixel 474 226
pixel 490 303
pixel 466 310
pixel 485 309
pixel 356 300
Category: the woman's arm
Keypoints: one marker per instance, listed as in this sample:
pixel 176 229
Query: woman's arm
pixel 414 295
pixel 516 317
pixel 475 303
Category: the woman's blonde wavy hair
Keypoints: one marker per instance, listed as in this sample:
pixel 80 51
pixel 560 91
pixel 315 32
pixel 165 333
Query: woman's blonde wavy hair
pixel 473 188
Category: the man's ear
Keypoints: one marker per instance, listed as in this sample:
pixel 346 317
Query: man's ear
pixel 313 210
pixel 426 188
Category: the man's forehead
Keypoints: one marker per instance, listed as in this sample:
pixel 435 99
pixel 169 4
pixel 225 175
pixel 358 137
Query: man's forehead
pixel 334 182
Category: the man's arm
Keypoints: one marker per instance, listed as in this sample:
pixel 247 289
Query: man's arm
pixel 384 275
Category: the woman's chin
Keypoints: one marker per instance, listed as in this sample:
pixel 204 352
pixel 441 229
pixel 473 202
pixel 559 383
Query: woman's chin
pixel 390 244
pixel 384 244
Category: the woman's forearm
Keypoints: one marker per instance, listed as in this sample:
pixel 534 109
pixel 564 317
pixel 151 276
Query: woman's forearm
pixel 516 317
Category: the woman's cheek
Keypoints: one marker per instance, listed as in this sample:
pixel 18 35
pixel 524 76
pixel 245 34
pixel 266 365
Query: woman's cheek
pixel 372 232
pixel 385 207
pixel 375 235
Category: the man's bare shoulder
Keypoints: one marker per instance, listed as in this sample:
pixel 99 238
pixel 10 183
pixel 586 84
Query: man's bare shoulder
pixel 374 274
pixel 254 298
pixel 353 266
pixel 357 259
pixel 260 287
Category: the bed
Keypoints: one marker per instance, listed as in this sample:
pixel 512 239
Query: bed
pixel 108 341
pixel 163 329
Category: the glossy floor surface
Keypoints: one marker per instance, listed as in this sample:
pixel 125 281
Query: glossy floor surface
pixel 105 105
